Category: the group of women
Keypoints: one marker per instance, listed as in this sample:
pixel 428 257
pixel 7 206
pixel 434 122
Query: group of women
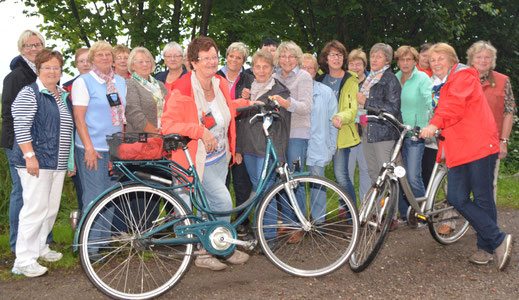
pixel 321 120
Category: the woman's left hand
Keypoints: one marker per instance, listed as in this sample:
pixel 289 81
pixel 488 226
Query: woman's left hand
pixel 245 93
pixel 428 131
pixel 282 101
pixel 337 122
pixel 33 167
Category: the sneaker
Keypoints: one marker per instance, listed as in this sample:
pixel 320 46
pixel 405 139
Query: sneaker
pixel 209 262
pixel 238 258
pixel 51 256
pixel 393 226
pixel 481 257
pixel 503 253
pixel 32 270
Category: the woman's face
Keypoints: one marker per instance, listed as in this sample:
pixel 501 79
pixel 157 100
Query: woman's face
pixel 235 61
pixel 309 66
pixel 121 63
pixel 262 70
pixel 82 63
pixel 377 60
pixel 50 72
pixel 103 60
pixel 335 59
pixel 207 63
pixel 482 61
pixel 423 59
pixel 357 66
pixel 440 64
pixel 142 65
pixel 173 59
pixel 287 61
pixel 33 45
pixel 406 63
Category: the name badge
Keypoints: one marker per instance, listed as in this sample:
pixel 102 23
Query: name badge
pixel 113 99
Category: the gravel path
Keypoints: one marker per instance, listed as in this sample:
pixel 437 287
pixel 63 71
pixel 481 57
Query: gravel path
pixel 411 265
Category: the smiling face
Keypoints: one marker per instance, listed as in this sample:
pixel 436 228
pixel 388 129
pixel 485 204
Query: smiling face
pixel 142 65
pixel 357 66
pixel 287 61
pixel 423 60
pixel 32 46
pixel 50 72
pixel 82 63
pixel 309 66
pixel 173 59
pixel 207 63
pixel 235 61
pixel 377 60
pixel 121 63
pixel 440 64
pixel 270 48
pixel 262 70
pixel 335 60
pixel 482 61
pixel 103 60
pixel 406 63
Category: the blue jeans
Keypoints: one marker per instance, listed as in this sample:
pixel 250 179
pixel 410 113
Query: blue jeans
pixel 94 183
pixel 254 165
pixel 357 155
pixel 477 177
pixel 213 184
pixel 340 168
pixel 317 196
pixel 412 154
pixel 296 150
pixel 15 201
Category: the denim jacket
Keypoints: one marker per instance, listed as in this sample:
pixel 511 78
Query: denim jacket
pixel 385 94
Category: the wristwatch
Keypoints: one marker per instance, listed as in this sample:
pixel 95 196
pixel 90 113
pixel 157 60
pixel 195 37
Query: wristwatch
pixel 28 155
pixel 506 141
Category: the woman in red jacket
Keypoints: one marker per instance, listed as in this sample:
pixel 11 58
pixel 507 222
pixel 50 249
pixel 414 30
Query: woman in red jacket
pixel 200 108
pixel 470 150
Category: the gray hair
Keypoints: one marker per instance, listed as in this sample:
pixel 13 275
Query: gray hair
pixel 478 47
pixel 292 48
pixel 134 52
pixel 384 48
pixel 264 55
pixel 172 46
pixel 26 35
pixel 240 47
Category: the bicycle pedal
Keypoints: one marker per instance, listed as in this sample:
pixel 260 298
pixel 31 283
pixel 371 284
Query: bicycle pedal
pixel 422 218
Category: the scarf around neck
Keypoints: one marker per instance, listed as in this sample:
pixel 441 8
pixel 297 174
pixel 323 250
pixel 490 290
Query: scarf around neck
pixel 257 89
pixel 152 86
pixel 371 80
pixel 117 112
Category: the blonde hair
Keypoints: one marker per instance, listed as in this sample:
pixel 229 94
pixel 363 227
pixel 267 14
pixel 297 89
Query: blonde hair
pixel 118 49
pixel 358 54
pixel 292 48
pixel 264 55
pixel 478 47
pixel 404 50
pixel 26 35
pixel 80 52
pixel 445 49
pixel 240 47
pixel 308 56
pixel 134 53
pixel 99 46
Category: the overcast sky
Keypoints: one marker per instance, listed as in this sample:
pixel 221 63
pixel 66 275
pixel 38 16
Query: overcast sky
pixel 14 22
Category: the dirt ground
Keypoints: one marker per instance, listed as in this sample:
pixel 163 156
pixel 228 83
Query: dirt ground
pixel 411 265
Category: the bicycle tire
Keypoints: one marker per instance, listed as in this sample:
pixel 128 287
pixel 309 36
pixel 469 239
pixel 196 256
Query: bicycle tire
pixel 451 218
pixel 120 264
pixel 373 231
pixel 322 249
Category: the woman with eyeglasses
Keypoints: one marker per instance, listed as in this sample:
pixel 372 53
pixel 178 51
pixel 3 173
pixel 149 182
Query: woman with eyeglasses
pixel 345 85
pixel 99 100
pixel 174 59
pixel 201 108
pixel 42 154
pixel 30 43
pixel 120 63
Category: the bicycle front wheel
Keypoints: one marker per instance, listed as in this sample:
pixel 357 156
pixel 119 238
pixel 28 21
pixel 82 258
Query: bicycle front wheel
pixel 446 224
pixel 115 257
pixel 318 249
pixel 378 208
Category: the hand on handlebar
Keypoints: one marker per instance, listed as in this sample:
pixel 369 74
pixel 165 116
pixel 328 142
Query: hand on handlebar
pixel 282 101
pixel 428 131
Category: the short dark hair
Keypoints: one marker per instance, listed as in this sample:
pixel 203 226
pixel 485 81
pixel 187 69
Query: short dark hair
pixel 201 43
pixel 323 58
pixel 424 47
pixel 45 55
pixel 269 42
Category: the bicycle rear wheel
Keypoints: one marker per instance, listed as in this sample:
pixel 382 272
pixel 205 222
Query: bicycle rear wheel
pixel 446 224
pixel 381 203
pixel 320 249
pixel 115 257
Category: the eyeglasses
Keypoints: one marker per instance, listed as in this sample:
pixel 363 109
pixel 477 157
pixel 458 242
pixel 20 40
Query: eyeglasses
pixel 173 56
pixel 103 55
pixel 51 68
pixel 121 58
pixel 35 46
pixel 308 68
pixel 208 59
pixel 289 57
pixel 141 62
pixel 335 55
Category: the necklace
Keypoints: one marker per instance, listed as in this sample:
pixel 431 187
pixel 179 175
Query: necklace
pixel 332 82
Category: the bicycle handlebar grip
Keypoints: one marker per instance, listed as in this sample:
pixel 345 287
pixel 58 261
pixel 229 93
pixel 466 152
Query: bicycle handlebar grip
pixel 373 110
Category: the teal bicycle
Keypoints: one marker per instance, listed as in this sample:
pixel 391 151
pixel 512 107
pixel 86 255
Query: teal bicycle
pixel 138 238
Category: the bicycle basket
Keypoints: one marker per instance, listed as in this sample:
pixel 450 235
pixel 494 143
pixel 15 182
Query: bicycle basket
pixel 135 146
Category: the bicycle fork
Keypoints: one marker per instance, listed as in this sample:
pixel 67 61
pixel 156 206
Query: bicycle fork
pixel 290 185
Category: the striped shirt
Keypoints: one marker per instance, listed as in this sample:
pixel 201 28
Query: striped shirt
pixel 24 110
